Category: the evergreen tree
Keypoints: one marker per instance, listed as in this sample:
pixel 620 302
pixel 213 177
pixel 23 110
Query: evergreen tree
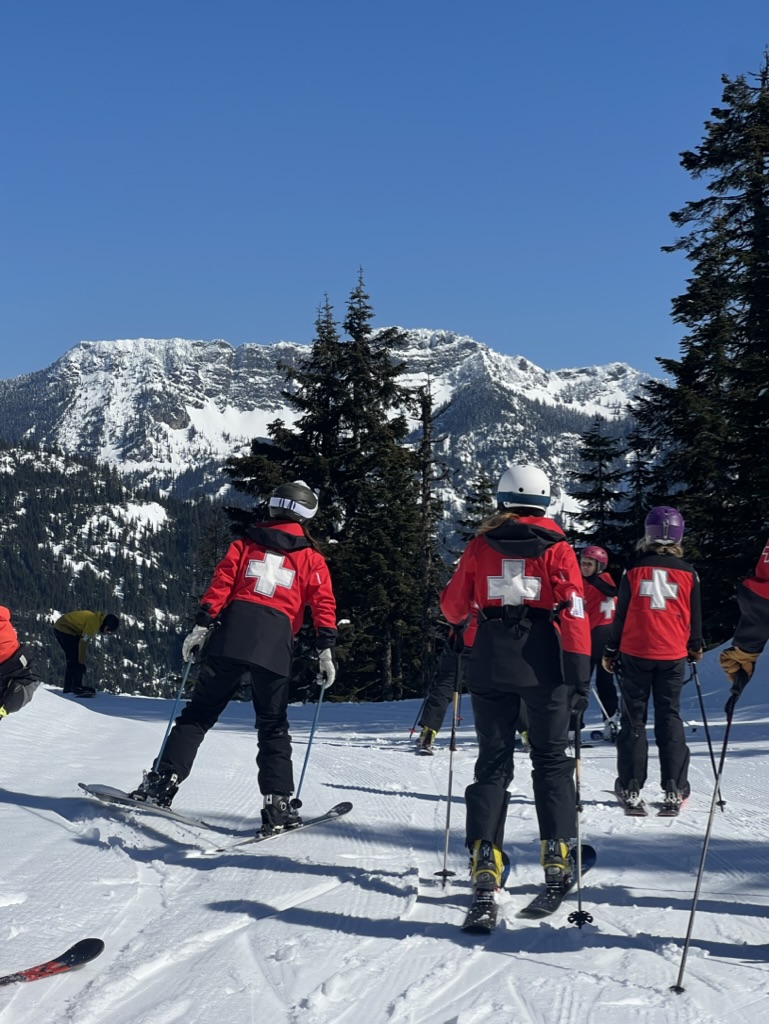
pixel 348 443
pixel 432 569
pixel 480 503
pixel 711 423
pixel 601 475
pixel 640 494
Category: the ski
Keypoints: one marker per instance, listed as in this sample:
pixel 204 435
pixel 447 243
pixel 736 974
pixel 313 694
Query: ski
pixel 669 810
pixel 331 815
pixel 425 751
pixel 81 953
pixel 116 797
pixel 481 918
pixel 639 810
pixel 549 899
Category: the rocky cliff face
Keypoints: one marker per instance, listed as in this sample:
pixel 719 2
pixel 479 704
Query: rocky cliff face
pixel 170 411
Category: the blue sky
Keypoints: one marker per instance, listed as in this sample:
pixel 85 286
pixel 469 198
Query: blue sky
pixel 501 168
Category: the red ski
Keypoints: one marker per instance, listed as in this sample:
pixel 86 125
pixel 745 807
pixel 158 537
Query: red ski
pixel 81 953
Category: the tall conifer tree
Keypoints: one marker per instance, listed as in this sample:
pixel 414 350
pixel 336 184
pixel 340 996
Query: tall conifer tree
pixel 712 422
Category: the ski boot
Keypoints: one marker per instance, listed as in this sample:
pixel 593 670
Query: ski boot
pixel 674 797
pixel 279 814
pixel 425 744
pixel 557 863
pixel 157 788
pixel 630 798
pixel 486 866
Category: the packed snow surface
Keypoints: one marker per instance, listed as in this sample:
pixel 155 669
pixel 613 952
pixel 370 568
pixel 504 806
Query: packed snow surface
pixel 347 922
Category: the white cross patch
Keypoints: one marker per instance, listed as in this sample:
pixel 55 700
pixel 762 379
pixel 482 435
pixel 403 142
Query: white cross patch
pixel 606 607
pixel 512 586
pixel 658 589
pixel 270 574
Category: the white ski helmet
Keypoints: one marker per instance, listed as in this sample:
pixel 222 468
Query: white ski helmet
pixel 523 487
pixel 294 501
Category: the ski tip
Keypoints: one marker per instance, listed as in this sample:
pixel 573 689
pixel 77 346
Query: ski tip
pixel 82 952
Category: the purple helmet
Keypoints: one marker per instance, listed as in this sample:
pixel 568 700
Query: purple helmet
pixel 664 525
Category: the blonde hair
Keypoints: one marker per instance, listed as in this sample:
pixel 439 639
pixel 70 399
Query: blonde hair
pixel 660 547
pixel 495 520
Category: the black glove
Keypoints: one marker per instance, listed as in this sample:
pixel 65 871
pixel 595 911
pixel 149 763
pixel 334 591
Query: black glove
pixel 579 702
pixel 456 639
pixel 608 660
pixel 578 705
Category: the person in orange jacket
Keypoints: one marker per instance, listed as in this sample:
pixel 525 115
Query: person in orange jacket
pixel 74 631
pixel 246 623
pixel 521 577
pixel 17 680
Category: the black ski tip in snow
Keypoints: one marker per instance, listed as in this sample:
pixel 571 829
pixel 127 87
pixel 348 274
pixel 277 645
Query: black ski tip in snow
pixel 549 899
pixel 81 953
pixel 481 918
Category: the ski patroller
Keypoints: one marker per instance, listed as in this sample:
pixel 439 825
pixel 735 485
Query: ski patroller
pixel 76 956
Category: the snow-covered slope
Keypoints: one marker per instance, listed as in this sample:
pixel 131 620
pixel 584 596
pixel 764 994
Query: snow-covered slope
pixel 164 409
pixel 347 922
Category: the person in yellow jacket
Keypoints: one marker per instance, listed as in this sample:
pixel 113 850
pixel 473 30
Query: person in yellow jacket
pixel 74 631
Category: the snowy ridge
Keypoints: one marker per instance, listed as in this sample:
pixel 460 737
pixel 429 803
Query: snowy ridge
pixel 346 922
pixel 157 409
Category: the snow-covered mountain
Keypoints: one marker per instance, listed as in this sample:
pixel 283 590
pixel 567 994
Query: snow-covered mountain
pixel 348 923
pixel 171 410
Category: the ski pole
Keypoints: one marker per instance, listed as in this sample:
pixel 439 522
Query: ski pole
pixel 579 916
pixel 445 873
pixel 179 692
pixel 309 741
pixel 696 677
pixel 419 715
pixel 678 987
pixel 607 718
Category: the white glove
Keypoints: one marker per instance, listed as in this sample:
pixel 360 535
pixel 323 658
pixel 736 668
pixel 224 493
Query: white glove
pixel 326 669
pixel 193 642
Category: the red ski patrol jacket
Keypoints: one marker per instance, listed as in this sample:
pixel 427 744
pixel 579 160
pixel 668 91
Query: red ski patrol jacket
pixel 259 594
pixel 658 609
pixel 9 642
pixel 752 630
pixel 523 569
pixel 600 599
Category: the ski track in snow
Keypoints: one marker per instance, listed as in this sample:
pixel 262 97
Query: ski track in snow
pixel 348 922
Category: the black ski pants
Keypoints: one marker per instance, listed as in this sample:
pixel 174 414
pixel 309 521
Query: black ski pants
pixel 442 690
pixel 604 681
pixel 74 671
pixel 497 713
pixel 662 681
pixel 217 684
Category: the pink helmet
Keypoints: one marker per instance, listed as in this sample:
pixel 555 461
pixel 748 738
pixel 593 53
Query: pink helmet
pixel 599 555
